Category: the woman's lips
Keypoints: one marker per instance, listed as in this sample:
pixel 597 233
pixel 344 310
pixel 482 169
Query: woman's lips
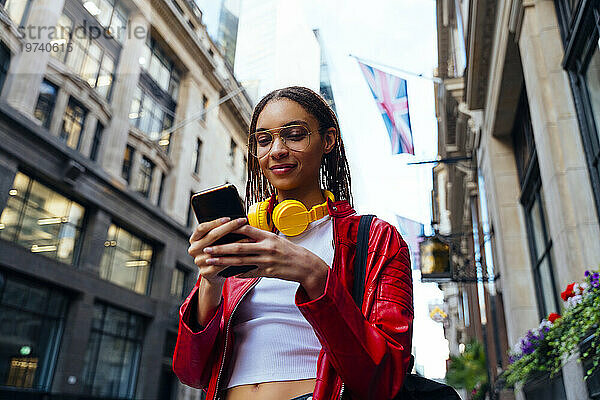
pixel 282 169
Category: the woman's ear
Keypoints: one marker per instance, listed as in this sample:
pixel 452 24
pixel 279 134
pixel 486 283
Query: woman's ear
pixel 329 140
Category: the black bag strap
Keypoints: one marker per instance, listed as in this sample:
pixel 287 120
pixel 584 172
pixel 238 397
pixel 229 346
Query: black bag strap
pixel 415 387
pixel 360 258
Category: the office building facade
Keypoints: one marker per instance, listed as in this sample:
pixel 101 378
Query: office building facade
pixel 110 118
pixel 518 105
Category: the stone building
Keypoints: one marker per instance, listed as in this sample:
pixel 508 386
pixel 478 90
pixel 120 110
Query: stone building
pixel 518 110
pixel 112 112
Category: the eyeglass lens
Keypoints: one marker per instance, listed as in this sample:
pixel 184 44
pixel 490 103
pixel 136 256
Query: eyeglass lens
pixel 294 137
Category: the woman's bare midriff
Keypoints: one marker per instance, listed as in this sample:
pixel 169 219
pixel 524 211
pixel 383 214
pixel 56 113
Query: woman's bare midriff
pixel 282 390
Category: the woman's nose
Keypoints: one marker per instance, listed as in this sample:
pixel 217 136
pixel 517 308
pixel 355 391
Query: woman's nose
pixel 278 148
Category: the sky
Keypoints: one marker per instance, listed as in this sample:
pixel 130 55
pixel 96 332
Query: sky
pixel 395 36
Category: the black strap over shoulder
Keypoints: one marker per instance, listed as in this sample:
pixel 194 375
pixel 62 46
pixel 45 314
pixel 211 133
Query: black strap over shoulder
pixel 360 258
pixel 415 387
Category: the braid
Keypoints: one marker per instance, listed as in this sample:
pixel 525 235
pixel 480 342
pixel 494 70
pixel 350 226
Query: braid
pixel 334 174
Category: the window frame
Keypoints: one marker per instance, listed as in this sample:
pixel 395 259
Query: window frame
pixel 167 108
pixel 96 141
pixel 109 46
pixel 196 156
pixel 109 245
pixel 580 33
pixel 145 177
pixel 48 120
pixel 232 152
pixel 190 213
pixel 60 319
pixel 88 387
pixel 153 49
pixel 161 189
pixel 5 57
pixel 580 29
pixel 126 171
pixel 25 15
pixel 531 194
pixel 186 274
pixel 531 187
pixel 79 229
pixel 204 107
pixel 65 139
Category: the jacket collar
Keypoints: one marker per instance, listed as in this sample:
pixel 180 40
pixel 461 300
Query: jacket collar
pixel 340 208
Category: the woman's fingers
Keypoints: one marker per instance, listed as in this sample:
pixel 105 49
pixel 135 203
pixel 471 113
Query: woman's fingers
pixel 253 232
pixel 235 260
pixel 238 247
pixel 220 231
pixel 205 227
pixel 208 232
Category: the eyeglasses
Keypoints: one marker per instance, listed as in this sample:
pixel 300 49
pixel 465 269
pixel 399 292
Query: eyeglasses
pixel 294 137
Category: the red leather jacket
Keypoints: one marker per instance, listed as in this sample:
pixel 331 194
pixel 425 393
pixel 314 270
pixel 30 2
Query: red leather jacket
pixel 360 358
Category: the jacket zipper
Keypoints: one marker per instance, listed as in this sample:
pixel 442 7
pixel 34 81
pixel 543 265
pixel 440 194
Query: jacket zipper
pixel 227 336
pixel 334 254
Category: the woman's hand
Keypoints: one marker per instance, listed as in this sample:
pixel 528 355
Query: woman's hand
pixel 275 256
pixel 206 234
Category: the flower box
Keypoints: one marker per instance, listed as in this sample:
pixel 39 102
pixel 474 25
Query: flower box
pixel 541 386
pixel 542 351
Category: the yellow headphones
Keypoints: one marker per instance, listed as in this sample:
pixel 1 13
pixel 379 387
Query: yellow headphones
pixel 290 217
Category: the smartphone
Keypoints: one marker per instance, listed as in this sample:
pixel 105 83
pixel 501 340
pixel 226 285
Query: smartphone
pixel 217 202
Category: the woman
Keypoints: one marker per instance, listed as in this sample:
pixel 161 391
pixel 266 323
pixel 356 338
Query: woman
pixel 290 329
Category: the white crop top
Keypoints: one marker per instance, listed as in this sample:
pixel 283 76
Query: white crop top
pixel 273 340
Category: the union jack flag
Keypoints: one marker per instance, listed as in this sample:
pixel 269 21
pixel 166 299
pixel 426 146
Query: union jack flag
pixel 391 97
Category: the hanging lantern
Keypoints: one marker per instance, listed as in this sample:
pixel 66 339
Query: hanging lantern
pixel 435 260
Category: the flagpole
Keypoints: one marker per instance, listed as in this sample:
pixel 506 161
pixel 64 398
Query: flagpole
pixel 429 78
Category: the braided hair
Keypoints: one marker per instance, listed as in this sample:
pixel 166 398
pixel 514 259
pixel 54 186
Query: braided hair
pixel 334 174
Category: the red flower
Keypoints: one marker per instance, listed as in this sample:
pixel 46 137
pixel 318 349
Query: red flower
pixel 553 317
pixel 568 292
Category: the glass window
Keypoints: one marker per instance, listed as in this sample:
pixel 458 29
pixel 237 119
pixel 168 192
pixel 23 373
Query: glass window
pixel 160 68
pixel 86 57
pixel 31 321
pixel 113 353
pixel 110 15
pixel 145 182
pixel 96 142
pixel 126 260
pixel 151 117
pixel 178 282
pixel 232 147
pixel 245 168
pixel 541 254
pixel 592 77
pixel 60 37
pixel 161 189
pixel 17 10
pixel 190 213
pixel 4 63
pixel 73 124
pixel 465 308
pixel 127 161
pixel 118 23
pixel 41 220
pixel 45 103
pixel 196 156
pixel 532 199
pixel 204 106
